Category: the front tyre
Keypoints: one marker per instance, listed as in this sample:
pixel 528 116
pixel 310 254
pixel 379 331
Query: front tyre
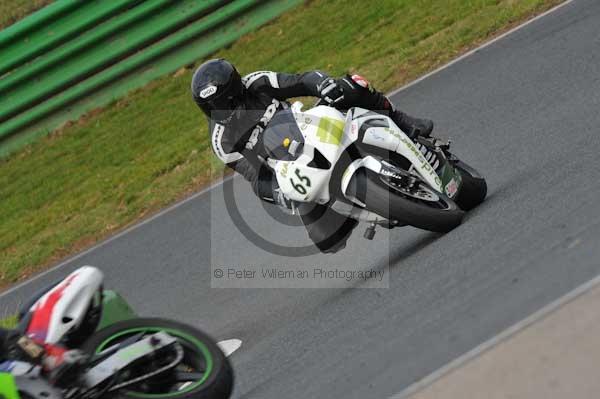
pixel 441 215
pixel 204 372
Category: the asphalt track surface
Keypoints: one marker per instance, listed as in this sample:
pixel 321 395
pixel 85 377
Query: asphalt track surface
pixel 525 111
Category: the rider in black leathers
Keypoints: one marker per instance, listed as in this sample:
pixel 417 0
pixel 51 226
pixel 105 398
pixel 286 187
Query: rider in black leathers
pixel 239 109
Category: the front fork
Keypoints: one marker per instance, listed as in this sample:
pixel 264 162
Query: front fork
pixel 440 174
pixel 359 212
pixel 447 181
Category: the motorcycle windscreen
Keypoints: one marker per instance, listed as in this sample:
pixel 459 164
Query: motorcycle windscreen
pixel 282 139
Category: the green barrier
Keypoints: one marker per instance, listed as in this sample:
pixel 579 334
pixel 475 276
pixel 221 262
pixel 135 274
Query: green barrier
pixel 71 49
pixel 54 32
pixel 36 21
pixel 194 41
pixel 99 57
pixel 211 21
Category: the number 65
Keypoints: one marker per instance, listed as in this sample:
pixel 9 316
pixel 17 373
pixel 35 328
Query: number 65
pixel 298 186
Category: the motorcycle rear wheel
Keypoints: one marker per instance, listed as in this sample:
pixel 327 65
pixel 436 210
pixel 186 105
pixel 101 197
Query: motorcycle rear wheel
pixel 205 372
pixel 473 189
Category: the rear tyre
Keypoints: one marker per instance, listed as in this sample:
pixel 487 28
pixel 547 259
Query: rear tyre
pixel 473 189
pixel 204 372
pixel 440 216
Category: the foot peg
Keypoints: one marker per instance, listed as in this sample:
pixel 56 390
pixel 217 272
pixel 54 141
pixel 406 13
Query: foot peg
pixel 370 232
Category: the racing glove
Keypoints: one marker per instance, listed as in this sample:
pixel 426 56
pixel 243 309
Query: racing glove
pixel 331 91
pixel 351 91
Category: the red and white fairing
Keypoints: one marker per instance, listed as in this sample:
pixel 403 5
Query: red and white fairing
pixel 64 306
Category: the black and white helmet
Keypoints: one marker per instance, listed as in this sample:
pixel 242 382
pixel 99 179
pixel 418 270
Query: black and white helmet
pixel 217 88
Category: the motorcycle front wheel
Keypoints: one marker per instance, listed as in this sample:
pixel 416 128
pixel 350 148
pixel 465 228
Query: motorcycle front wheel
pixel 425 209
pixel 204 371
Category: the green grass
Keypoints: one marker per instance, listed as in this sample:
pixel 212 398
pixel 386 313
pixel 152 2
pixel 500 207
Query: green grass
pixel 117 165
pixel 13 10
pixel 8 322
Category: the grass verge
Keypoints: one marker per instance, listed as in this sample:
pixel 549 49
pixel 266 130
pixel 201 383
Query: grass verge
pixel 13 10
pixel 150 148
pixel 8 322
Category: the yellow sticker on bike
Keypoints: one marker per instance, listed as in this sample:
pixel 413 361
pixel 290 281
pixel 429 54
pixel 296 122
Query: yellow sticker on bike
pixel 330 131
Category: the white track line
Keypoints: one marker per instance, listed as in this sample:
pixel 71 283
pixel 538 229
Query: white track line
pixel 229 346
pixel 484 45
pixel 503 336
pixel 196 195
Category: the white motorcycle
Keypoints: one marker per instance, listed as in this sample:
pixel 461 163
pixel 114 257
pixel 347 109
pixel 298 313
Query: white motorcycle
pixel 367 168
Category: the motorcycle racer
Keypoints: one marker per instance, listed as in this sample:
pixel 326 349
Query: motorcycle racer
pixel 239 109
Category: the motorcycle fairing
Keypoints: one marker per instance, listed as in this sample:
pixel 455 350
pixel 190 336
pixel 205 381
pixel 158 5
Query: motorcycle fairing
pixel 326 130
pixel 394 139
pixel 64 306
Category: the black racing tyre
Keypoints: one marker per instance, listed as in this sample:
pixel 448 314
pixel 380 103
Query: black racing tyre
pixel 473 189
pixel 441 216
pixel 204 372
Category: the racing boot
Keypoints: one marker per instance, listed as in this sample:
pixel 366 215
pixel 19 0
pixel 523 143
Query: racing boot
pixel 412 126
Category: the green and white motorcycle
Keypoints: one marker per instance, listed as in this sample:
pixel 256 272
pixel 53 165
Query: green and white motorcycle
pixel 365 167
pixel 76 340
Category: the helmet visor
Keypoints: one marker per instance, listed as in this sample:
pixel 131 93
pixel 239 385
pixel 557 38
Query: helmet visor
pixel 219 108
